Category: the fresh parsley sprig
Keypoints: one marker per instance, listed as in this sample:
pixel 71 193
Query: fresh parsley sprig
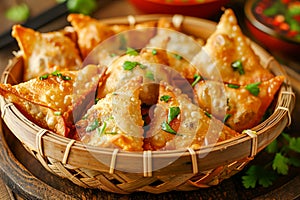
pixel 285 151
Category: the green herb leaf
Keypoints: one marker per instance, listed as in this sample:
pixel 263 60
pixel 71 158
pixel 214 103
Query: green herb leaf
pixel 131 51
pixel 253 88
pixel 166 127
pixel 18 13
pixel 56 73
pixel 178 57
pixel 272 147
pixel 43 77
pixel 92 126
pixel 154 52
pixel 150 75
pixel 197 78
pixel 207 114
pixel 226 117
pixel 85 7
pixel 101 129
pixel 66 78
pixel 295 144
pixel 280 164
pixel 233 86
pixel 142 66
pixel 129 65
pixel 257 174
pixel 238 66
pixel 165 98
pixel 173 113
pixel 57 113
pixel 111 133
pixel 96 100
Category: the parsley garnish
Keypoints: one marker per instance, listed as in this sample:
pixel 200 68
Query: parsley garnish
pixel 154 52
pixel 150 75
pixel 130 65
pixel 131 51
pixel 178 57
pixel 165 98
pixel 207 114
pixel 238 66
pixel 253 88
pixel 43 77
pixel 233 86
pixel 197 78
pixel 92 126
pixel 101 129
pixel 226 117
pixel 285 150
pixel 58 74
pixel 166 127
pixel 173 113
pixel 96 100
pixel 57 113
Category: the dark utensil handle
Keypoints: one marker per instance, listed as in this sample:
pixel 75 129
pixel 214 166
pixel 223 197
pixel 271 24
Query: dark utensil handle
pixel 37 22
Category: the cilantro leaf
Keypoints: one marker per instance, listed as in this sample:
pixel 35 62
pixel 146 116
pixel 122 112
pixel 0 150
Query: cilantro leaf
pixel 238 66
pixel 173 113
pixel 280 164
pixel 272 147
pixel 166 127
pixel 150 75
pixel 131 51
pixel 197 78
pixel 165 98
pixel 295 144
pixel 253 88
pixel 129 65
pixel 258 175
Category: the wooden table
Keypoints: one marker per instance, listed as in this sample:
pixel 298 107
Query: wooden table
pixel 24 177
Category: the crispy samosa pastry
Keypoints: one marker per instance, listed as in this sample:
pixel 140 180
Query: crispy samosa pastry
pixel 240 107
pixel 129 66
pixel 45 52
pixel 116 120
pixel 229 52
pixel 90 32
pixel 53 101
pixel 177 123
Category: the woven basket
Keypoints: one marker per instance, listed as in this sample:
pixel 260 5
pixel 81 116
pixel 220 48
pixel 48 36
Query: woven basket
pixel 189 169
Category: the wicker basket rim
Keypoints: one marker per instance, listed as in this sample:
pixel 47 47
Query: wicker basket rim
pixel 281 115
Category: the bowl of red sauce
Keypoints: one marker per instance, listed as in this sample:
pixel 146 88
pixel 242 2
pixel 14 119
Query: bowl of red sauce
pixel 196 8
pixel 275 24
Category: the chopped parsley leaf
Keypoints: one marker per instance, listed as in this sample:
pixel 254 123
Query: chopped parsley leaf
pixel 150 75
pixel 173 113
pixel 233 86
pixel 43 77
pixel 131 51
pixel 154 52
pixel 253 88
pixel 165 98
pixel 92 126
pixel 238 66
pixel 166 127
pixel 197 78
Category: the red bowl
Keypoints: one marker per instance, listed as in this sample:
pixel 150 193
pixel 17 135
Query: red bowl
pixel 196 8
pixel 277 43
